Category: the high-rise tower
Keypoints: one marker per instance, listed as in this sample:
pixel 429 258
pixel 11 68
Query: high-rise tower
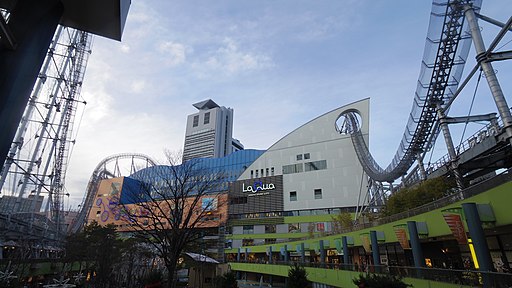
pixel 209 132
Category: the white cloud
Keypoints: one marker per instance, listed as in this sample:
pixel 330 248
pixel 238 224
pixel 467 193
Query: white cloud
pixel 175 53
pixel 230 59
pixel 138 86
pixel 125 48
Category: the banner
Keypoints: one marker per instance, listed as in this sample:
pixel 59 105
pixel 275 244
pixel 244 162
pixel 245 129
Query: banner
pixel 453 218
pixel 401 236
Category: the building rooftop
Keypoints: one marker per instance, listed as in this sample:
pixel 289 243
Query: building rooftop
pixel 205 105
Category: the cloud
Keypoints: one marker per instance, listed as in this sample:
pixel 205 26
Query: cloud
pixel 229 59
pixel 138 86
pixel 125 48
pixel 175 53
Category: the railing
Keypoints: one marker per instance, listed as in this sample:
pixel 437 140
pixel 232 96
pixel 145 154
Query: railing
pixel 476 189
pixel 491 129
pixel 481 187
pixel 303 212
pixel 471 278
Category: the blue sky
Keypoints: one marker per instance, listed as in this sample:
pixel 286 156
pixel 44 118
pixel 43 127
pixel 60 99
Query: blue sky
pixel 278 64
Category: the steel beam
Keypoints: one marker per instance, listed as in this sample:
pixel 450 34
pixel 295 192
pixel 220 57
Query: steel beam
pixel 6 35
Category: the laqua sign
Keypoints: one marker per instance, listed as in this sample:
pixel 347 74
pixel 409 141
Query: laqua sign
pixel 258 188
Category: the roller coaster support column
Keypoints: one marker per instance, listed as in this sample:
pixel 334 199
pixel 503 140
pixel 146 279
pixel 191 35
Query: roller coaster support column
pixel 423 173
pixel 485 64
pixel 449 146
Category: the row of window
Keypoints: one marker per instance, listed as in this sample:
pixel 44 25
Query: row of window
pixel 305 167
pixel 304 212
pixel 292 228
pixel 304 156
pixel 293 197
pixel 264 172
pixel 317 193
pixel 206 119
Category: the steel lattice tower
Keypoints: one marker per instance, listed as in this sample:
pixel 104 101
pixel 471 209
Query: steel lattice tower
pixel 37 160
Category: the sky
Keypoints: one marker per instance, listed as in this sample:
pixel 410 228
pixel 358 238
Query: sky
pixel 278 64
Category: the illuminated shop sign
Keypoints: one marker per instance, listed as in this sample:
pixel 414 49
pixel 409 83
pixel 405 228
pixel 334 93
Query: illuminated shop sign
pixel 258 188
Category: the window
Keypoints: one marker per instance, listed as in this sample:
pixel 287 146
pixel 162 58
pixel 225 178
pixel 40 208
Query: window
pixel 299 157
pixel 262 175
pixel 256 173
pixel 293 196
pixel 306 156
pixel 196 121
pixel 270 241
pixel 318 193
pixel 294 228
pixel 209 204
pixel 266 172
pixel 316 165
pixel 272 171
pixel 238 200
pixel 248 229
pixel 247 242
pixel 293 168
pixel 270 228
pixel 252 174
pixel 206 118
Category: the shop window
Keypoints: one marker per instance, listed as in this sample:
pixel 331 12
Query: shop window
pixel 247 242
pixel 318 193
pixel 294 228
pixel 293 196
pixel 196 121
pixel 248 229
pixel 270 241
pixel 270 228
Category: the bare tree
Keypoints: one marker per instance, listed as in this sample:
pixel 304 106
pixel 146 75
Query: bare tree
pixel 172 205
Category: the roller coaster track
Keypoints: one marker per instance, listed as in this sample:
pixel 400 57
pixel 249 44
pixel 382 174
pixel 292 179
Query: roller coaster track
pixel 441 70
pixel 100 173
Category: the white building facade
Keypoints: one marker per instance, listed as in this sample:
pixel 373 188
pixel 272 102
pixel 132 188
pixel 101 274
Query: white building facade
pixel 311 170
pixel 209 132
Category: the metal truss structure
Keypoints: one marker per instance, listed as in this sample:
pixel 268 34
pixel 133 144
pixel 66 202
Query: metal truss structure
pixel 36 164
pixel 453 26
pixel 109 167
